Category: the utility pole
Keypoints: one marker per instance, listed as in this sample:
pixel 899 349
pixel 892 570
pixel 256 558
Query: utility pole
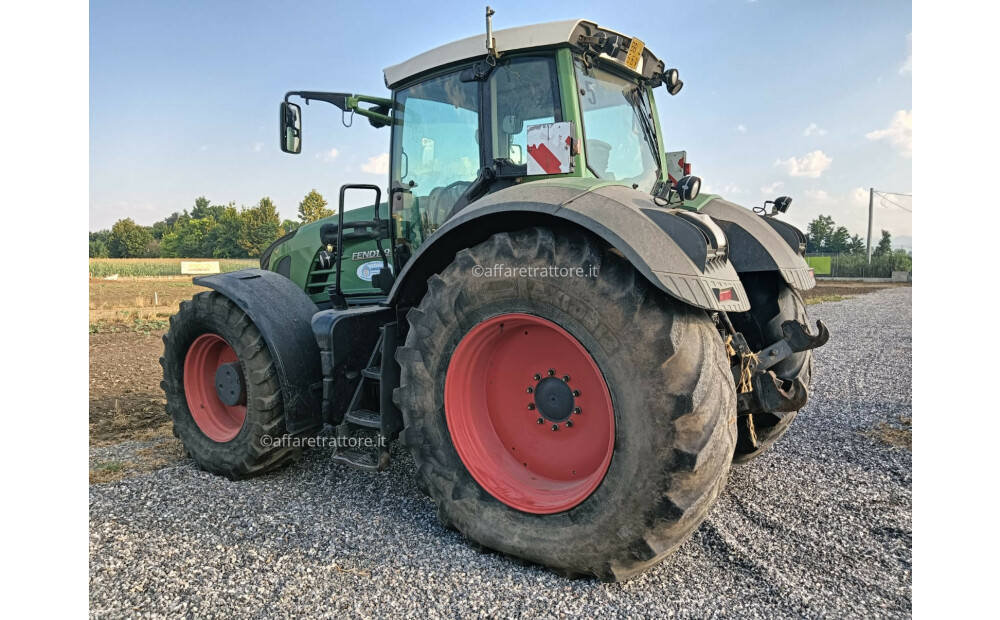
pixel 871 212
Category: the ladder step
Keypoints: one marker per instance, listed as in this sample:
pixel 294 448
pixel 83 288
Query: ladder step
pixel 375 372
pixel 364 417
pixel 368 460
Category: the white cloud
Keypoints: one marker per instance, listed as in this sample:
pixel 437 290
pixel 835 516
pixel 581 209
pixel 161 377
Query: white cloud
pixel 817 195
pixel 377 165
pixel 773 188
pixel 741 129
pixel 899 133
pixel 328 155
pixel 859 195
pixel 907 66
pixel 814 130
pixel 812 165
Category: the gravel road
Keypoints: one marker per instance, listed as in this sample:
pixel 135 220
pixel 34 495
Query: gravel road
pixel 818 527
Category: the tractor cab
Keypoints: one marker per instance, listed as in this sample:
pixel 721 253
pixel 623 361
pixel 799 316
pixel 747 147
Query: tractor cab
pixel 560 102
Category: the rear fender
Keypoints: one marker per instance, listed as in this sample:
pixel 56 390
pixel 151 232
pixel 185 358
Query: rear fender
pixel 673 251
pixel 762 243
pixel 283 314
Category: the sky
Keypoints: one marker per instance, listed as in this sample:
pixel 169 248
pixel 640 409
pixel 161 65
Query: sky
pixel 781 97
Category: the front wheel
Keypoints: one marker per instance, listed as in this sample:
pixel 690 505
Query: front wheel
pixel 579 418
pixel 222 389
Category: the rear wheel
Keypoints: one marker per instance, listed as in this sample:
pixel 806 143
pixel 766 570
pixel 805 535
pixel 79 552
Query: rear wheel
pixel 584 422
pixel 772 303
pixel 222 389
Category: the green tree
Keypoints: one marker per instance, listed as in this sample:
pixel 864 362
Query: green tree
pixel 288 226
pixel 190 239
pixel 884 247
pixel 819 232
pixel 202 209
pixel 856 246
pixel 99 249
pixel 102 235
pixel 839 241
pixel 128 239
pixel 260 227
pixel 313 207
pixel 226 236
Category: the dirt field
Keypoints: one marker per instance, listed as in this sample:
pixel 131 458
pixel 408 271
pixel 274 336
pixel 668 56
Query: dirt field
pixel 127 321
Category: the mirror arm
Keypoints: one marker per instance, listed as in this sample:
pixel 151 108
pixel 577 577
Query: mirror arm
pixel 347 102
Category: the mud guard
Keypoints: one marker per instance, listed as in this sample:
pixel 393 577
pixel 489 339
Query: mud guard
pixel 762 243
pixel 283 314
pixel 672 251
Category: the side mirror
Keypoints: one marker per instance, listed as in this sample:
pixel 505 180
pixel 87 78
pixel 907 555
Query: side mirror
pixel 291 128
pixel 672 80
pixel 688 187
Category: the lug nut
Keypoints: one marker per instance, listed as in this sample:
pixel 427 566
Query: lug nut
pixel 538 377
pixel 541 421
pixel 530 389
pixel 531 406
pixel 576 410
pixel 576 392
pixel 569 423
pixel 555 427
pixel 566 378
pixel 552 372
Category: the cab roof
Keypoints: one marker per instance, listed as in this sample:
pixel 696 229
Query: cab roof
pixel 571 32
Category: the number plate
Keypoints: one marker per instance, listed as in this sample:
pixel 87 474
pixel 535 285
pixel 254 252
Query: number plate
pixel 634 53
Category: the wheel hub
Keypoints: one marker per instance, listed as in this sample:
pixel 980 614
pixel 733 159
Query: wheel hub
pixel 554 399
pixel 229 384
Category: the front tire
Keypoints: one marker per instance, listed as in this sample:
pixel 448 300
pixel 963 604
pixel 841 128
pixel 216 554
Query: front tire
pixel 659 399
pixel 236 440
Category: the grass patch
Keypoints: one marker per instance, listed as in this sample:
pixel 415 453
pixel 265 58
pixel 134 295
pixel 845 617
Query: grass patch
pixel 819 299
pixel 157 455
pixel 898 435
pixel 108 471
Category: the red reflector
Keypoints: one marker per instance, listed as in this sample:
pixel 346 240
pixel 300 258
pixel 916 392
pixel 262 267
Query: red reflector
pixel 726 295
pixel 687 168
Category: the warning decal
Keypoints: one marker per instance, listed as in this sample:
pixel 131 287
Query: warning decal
pixel 549 148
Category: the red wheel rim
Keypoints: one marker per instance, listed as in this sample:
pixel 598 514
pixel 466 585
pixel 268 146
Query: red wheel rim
pixel 493 418
pixel 217 420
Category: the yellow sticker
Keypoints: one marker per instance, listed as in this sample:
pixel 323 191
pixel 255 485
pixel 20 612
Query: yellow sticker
pixel 634 53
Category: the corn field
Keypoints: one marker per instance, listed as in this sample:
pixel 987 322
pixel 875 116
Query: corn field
pixel 154 267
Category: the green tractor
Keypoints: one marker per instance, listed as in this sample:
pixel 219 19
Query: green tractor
pixel 571 342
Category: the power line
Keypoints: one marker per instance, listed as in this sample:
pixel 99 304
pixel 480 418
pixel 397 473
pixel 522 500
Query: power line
pixel 885 200
pixel 893 193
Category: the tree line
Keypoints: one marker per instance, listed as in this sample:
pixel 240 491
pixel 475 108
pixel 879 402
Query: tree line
pixel 823 236
pixel 207 231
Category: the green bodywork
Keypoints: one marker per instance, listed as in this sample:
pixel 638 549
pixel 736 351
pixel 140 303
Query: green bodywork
pixel 303 250
pixel 304 246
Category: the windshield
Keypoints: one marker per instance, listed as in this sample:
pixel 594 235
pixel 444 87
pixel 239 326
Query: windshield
pixel 621 142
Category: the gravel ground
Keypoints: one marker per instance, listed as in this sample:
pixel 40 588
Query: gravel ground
pixel 818 527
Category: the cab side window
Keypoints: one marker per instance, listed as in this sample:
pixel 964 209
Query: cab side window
pixel 522 92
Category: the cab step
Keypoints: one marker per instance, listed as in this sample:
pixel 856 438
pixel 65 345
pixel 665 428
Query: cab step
pixel 364 417
pixel 367 460
pixel 375 372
